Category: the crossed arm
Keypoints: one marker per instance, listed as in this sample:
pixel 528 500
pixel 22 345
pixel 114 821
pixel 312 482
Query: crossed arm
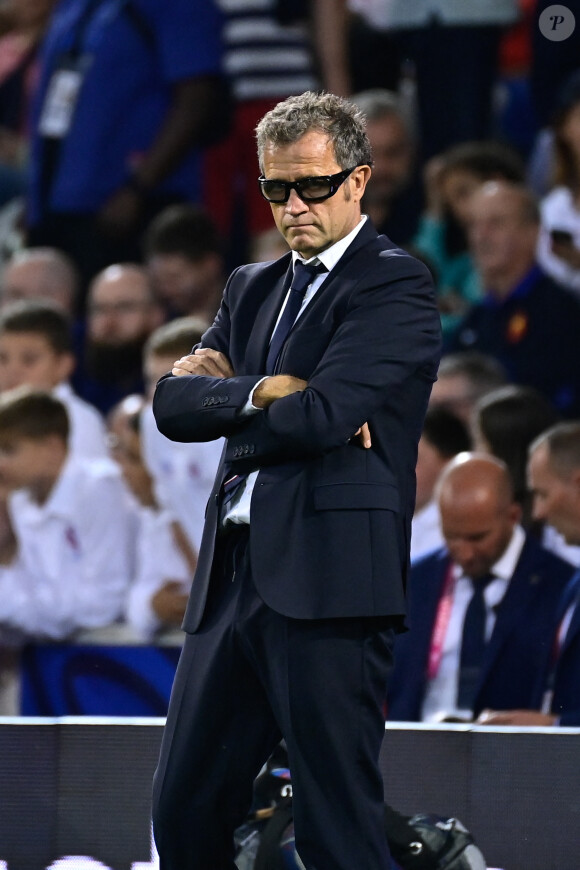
pixel 213 363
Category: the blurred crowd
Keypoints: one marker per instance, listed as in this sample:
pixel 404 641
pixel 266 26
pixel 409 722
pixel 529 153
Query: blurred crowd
pixel 128 193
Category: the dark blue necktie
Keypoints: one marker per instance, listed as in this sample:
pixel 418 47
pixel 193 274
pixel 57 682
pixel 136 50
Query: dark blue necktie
pixel 303 276
pixel 473 644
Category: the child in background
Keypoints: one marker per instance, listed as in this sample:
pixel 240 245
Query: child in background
pixel 71 520
pixel 183 473
pixel 36 351
pixel 165 561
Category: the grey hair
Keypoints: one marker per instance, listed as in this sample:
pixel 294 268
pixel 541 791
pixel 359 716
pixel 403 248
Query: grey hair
pixel 326 113
pixel 379 103
pixel 563 444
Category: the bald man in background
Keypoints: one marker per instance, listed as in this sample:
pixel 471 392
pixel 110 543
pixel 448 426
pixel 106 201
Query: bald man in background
pixel 481 607
pixel 40 274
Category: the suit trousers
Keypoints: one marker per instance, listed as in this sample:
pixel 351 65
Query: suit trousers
pixel 248 677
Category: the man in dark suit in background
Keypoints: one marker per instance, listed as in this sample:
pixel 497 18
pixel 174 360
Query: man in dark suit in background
pixel 481 608
pixel 554 478
pixel 321 391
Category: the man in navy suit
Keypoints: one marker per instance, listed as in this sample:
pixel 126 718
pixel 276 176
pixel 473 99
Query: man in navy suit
pixel 320 386
pixel 490 576
pixel 554 476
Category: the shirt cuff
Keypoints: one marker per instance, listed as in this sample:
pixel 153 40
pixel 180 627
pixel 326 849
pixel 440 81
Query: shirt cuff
pixel 249 407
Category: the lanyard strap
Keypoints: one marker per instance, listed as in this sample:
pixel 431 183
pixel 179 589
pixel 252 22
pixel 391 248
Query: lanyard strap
pixel 441 624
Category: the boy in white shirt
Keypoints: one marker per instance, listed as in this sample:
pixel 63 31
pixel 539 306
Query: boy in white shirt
pixel 71 522
pixel 165 561
pixel 183 472
pixel 36 351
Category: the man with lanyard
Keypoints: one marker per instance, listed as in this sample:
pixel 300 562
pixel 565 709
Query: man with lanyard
pixel 554 477
pixel 481 607
pixel 317 370
pixel 128 92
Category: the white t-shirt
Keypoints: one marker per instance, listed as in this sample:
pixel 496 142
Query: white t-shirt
pixel 87 436
pixel 183 474
pixel 75 554
pixel 158 560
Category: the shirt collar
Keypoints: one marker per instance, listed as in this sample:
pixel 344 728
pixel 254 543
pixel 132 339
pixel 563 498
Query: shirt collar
pixel 522 289
pixel 62 498
pixel 330 256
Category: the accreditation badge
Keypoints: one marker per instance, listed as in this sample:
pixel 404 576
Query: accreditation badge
pixel 61 99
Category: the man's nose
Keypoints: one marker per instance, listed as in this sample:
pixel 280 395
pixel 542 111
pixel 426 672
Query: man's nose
pixel 295 205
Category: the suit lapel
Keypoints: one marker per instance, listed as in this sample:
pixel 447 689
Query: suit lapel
pixel 273 288
pixel 572 596
pixel 521 590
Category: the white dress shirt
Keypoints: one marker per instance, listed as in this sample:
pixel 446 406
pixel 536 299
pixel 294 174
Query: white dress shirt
pixel 75 554
pixel 87 435
pixel 239 507
pixel 426 534
pixel 441 691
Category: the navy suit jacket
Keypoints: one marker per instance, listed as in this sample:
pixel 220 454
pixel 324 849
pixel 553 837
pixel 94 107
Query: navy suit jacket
pixel 330 520
pixel 519 645
pixel 566 685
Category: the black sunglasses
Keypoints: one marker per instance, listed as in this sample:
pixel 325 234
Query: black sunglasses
pixel 315 189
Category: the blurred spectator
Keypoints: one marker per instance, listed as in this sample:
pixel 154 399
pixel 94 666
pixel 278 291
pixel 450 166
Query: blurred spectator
pixel 183 255
pixel 444 436
pixel 450 179
pixel 122 312
pixel 527 321
pixel 268 246
pixel 164 561
pixel 463 379
pixel 374 53
pixel 552 62
pixel 41 274
pixel 554 470
pixel 36 351
pixel 392 196
pixel 183 473
pixel 272 50
pixel 454 49
pixel 70 518
pixel 504 424
pixel 116 139
pixel 23 23
pixel 559 240
pixel 481 609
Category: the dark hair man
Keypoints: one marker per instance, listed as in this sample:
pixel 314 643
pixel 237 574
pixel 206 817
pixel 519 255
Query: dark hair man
pixel 318 370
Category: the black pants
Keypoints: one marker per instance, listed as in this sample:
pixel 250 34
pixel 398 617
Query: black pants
pixel 248 677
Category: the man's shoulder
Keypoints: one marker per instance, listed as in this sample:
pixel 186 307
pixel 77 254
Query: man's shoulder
pixel 542 563
pixel 434 562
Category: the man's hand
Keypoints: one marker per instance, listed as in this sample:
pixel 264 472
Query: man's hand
pixel 205 361
pixel 515 717
pixel 364 433
pixel 276 387
pixel 169 603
